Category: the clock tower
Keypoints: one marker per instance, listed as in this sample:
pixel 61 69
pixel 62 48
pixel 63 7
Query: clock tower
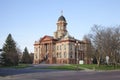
pixel 61 28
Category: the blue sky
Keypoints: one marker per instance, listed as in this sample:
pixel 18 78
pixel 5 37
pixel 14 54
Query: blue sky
pixel 28 20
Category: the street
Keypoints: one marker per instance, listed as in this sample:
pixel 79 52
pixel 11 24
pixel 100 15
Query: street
pixel 45 74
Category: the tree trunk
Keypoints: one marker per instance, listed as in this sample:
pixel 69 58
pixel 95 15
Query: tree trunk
pixel 98 62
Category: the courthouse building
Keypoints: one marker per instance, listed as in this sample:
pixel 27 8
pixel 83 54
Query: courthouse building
pixel 61 48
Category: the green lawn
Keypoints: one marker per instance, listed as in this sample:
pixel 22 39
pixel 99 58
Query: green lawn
pixel 16 67
pixel 65 67
pixel 85 66
pixel 101 67
pixel 70 67
pixel 21 66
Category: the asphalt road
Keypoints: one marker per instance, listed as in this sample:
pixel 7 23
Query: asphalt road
pixel 43 74
pixel 32 69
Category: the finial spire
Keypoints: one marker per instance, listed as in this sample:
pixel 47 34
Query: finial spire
pixel 61 12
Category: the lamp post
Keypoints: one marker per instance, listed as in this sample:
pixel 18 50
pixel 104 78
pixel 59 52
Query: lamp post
pixel 77 46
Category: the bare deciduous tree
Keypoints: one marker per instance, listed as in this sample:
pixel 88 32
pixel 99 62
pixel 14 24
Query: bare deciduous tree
pixel 106 42
pixel 88 49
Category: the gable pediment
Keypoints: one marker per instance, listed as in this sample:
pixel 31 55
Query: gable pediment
pixel 46 38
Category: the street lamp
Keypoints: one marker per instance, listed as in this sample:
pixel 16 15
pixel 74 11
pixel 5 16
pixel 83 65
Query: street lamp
pixel 77 48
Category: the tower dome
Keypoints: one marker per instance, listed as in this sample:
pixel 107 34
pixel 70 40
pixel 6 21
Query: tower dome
pixel 62 18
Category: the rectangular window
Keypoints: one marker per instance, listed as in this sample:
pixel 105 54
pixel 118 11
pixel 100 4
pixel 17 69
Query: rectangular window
pixel 71 55
pixel 60 55
pixel 64 47
pixel 65 55
pixel 36 56
pixel 57 55
pixel 47 47
pixel 71 47
pixel 36 49
pixel 57 47
pixel 53 47
pixel 60 47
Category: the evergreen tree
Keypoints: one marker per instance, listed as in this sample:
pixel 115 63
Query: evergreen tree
pixel 26 57
pixel 9 56
pixel 32 57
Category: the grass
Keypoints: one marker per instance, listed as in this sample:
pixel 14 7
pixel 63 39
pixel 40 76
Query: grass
pixel 101 67
pixel 83 67
pixel 16 67
pixel 108 67
pixel 65 67
pixel 21 66
pixel 70 67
